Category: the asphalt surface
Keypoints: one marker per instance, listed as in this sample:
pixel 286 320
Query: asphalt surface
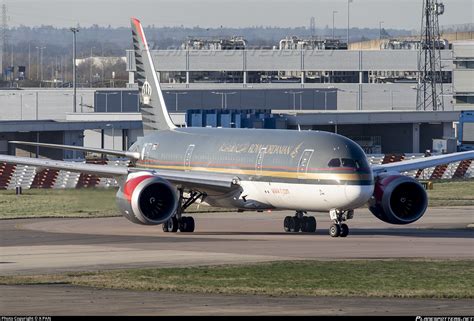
pixel 39 246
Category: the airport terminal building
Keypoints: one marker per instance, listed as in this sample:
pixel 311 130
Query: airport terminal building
pixel 342 91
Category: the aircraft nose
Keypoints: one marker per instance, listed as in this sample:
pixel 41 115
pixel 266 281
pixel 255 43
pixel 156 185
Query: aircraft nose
pixel 358 195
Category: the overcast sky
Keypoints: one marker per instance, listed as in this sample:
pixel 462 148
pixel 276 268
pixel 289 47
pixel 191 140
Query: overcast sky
pixel 400 14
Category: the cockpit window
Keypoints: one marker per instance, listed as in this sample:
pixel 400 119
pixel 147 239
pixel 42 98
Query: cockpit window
pixel 335 162
pixel 347 162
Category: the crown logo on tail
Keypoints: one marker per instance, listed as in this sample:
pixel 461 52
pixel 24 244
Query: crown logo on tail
pixel 146 93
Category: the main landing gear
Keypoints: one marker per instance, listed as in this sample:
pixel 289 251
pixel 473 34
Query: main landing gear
pixel 178 221
pixel 339 228
pixel 299 222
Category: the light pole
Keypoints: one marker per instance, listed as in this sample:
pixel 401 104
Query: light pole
pixel 294 93
pixel 28 74
pixel 333 14
pixel 36 105
pixel 106 99
pixel 380 30
pixel 39 70
pixel 90 71
pixel 21 106
pixel 74 31
pixel 348 7
pixel 326 92
pixel 223 97
pixel 176 97
pixel 113 135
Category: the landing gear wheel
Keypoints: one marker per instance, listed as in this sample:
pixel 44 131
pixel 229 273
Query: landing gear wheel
pixel 294 224
pixel 304 224
pixel 186 224
pixel 334 230
pixel 344 230
pixel 172 224
pixel 165 227
pixel 286 223
pixel 183 224
pixel 191 224
pixel 297 225
pixel 310 223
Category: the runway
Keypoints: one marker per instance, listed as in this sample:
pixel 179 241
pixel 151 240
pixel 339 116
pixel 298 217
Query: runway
pixel 39 246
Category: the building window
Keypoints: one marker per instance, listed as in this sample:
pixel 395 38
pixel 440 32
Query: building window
pixel 464 64
pixel 464 100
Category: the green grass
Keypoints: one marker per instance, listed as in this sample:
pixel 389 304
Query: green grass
pixel 452 193
pixel 86 202
pixel 365 278
pixel 58 203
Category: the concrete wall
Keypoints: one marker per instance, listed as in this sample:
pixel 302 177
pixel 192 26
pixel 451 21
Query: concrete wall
pixel 284 60
pixel 347 97
pixel 52 103
pixel 463 74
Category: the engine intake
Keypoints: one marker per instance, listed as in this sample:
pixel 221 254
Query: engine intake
pixel 147 199
pixel 398 199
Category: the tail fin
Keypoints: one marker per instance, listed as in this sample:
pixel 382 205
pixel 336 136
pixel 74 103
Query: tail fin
pixel 153 108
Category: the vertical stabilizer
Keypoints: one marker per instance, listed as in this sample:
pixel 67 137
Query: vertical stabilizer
pixel 153 108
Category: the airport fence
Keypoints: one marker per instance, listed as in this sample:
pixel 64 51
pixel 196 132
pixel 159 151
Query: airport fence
pixel 26 177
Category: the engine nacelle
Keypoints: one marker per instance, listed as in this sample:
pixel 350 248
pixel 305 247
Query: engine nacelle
pixel 147 199
pixel 398 199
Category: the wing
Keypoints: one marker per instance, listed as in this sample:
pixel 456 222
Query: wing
pixel 99 170
pixel 421 163
pixel 132 155
pixel 186 179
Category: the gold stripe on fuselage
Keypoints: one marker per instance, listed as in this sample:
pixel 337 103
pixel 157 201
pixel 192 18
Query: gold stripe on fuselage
pixel 279 174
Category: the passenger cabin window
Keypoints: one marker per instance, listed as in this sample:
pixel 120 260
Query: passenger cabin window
pixel 335 162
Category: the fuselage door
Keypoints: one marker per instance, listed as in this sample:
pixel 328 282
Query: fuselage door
pixel 146 150
pixel 259 162
pixel 304 162
pixel 187 157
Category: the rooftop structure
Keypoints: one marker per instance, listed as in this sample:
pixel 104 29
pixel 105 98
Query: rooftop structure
pixel 295 43
pixel 232 43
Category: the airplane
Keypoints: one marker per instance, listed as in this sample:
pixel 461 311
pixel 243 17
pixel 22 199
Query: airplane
pixel 246 169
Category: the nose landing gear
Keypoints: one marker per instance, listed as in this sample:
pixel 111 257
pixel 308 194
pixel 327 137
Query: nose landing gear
pixel 338 217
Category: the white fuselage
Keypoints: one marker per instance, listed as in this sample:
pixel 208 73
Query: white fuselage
pixel 305 197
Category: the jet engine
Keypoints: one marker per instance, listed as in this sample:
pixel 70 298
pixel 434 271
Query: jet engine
pixel 147 199
pixel 398 199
